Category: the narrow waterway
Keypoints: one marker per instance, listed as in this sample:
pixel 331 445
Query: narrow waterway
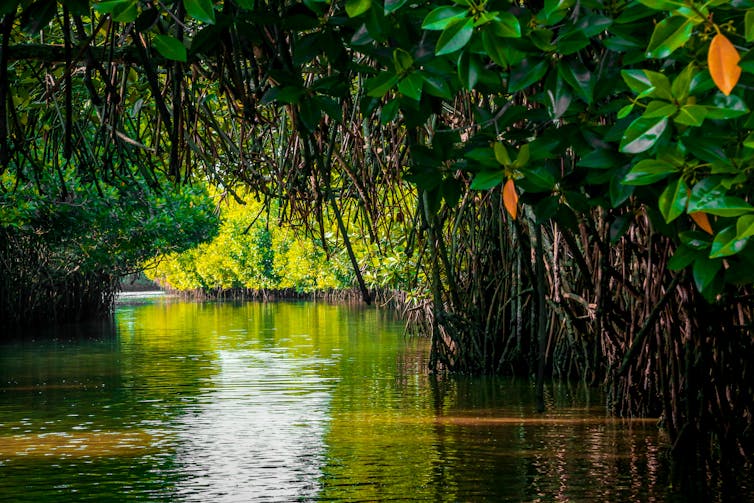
pixel 179 401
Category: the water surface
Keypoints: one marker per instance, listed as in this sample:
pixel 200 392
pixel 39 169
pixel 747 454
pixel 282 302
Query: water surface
pixel 178 401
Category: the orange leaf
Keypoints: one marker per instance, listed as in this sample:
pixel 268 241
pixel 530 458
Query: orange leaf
pixel 510 198
pixel 722 59
pixel 702 221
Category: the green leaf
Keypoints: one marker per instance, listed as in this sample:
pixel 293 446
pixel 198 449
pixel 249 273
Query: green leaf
pixel 709 196
pixel 441 17
pixel 745 226
pixel 411 86
pixel 669 34
pixel 725 206
pixel 636 80
pixel 526 74
pixel 683 257
pixel 659 108
pixel 673 200
pixel 487 179
pixel 726 107
pixel 579 78
pixel 201 10
pixel 661 84
pixel 625 111
pixel 501 154
pixel 389 111
pixel 649 171
pixel 523 156
pixel 170 47
pixel 727 243
pixel 691 115
pixel 455 37
pixel 393 5
pixel 642 134
pixel 357 7
pixel 122 11
pixel 682 84
pixel 494 48
pixel 436 86
pixel 537 179
pixel 469 69
pixel 558 99
pixel 600 158
pixel 380 84
pixel 402 60
pixel 507 26
pixel 749 25
pixel 704 271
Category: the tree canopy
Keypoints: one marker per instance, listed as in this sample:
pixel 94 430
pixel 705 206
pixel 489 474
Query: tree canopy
pixel 572 177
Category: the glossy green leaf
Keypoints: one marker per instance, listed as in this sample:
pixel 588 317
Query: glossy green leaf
pixel 393 5
pixel 526 74
pixel 436 86
pixel 725 206
pixel 683 257
pixel 379 85
pixel 201 10
pixel 642 134
pixel 674 199
pixel 745 226
pixel 506 26
pixel 726 107
pixel 659 108
pixel 649 171
pixel 536 179
pixel 682 83
pixel 411 86
pixel 691 115
pixel 170 47
pixel 579 78
pixel 625 111
pixel 661 84
pixel 357 7
pixel 494 48
pixel 455 37
pixel 469 69
pixel 487 179
pixel 669 34
pixel 726 243
pixel 442 17
pixel 704 272
pixel 636 80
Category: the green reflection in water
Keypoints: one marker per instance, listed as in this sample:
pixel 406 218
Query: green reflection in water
pixel 294 402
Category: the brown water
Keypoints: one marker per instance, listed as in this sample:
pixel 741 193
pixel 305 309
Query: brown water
pixel 179 401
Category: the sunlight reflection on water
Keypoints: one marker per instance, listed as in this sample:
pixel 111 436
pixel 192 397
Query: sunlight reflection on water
pixel 257 432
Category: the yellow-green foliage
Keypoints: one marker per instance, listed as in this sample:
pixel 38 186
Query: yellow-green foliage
pixel 253 252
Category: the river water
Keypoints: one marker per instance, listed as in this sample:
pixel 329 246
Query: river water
pixel 180 401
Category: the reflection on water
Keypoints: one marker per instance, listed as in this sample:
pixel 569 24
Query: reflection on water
pixel 294 402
